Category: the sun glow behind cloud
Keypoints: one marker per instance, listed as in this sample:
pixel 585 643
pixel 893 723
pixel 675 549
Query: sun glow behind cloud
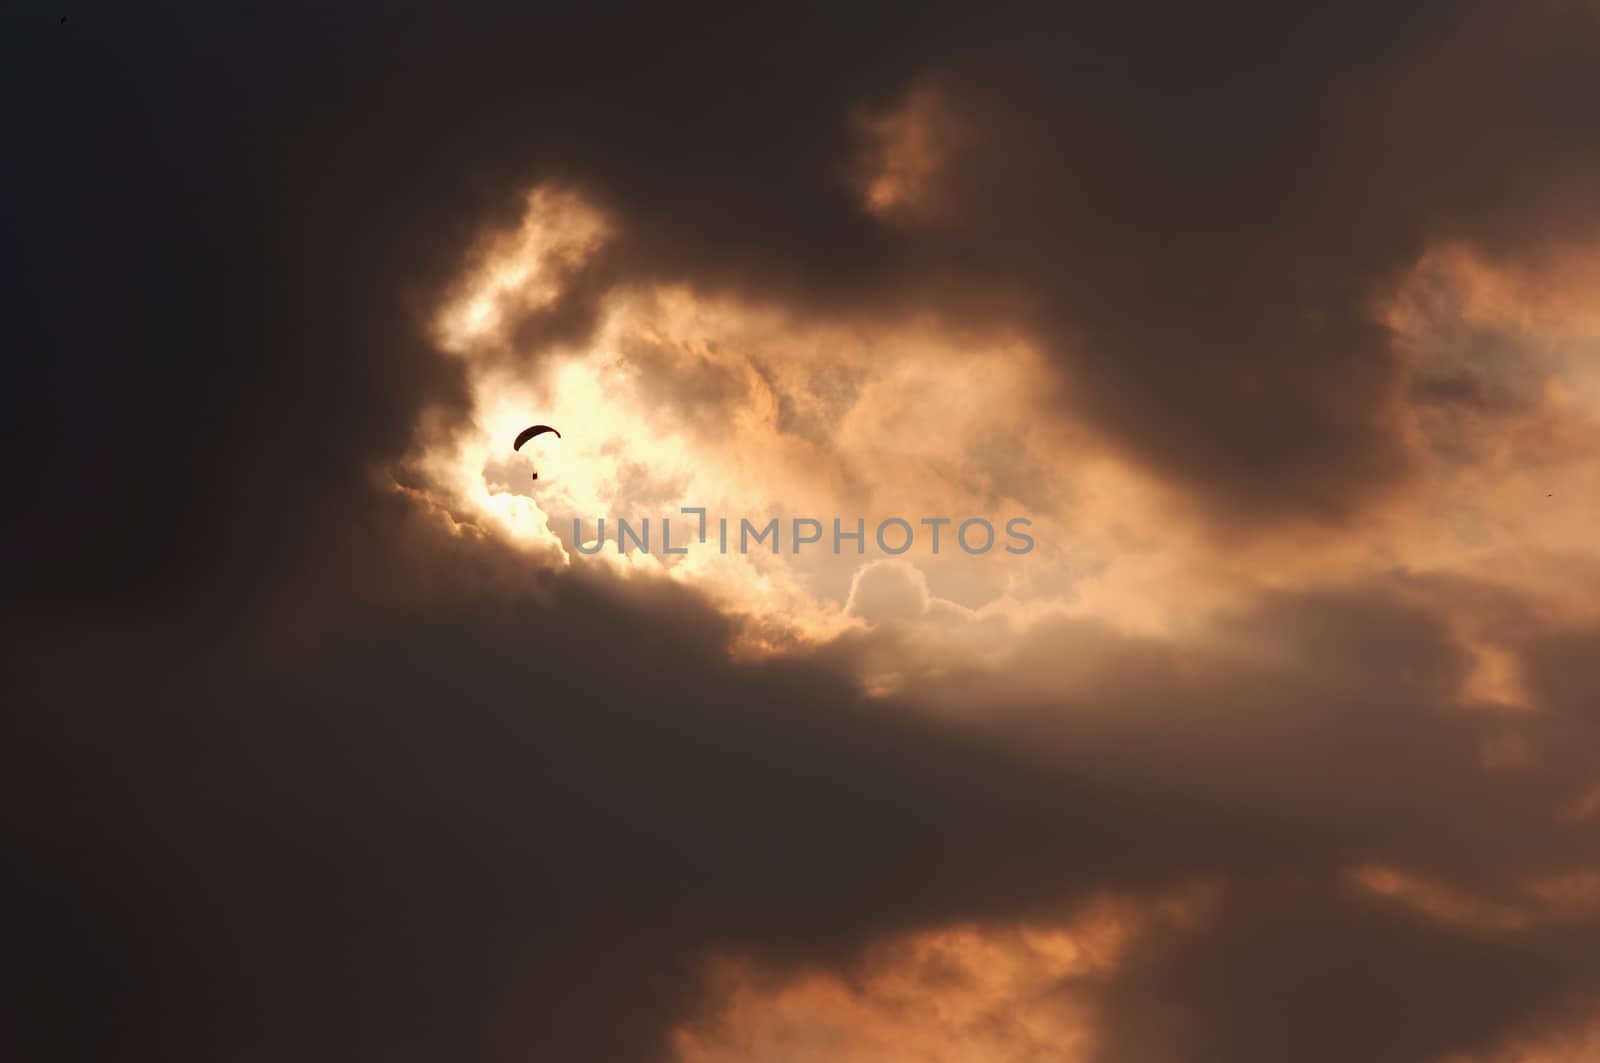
pixel 677 399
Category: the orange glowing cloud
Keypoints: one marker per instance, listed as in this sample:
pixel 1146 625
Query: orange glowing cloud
pixel 963 994
pixel 680 399
pixel 906 149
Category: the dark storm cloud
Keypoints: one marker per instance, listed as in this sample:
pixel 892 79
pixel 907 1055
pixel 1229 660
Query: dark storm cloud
pixel 1207 207
pixel 294 775
pixel 401 831
pixel 438 819
pixel 1291 970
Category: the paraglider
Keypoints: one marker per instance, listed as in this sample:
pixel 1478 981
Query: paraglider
pixel 528 433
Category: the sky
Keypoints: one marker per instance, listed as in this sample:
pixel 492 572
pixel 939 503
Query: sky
pixel 332 734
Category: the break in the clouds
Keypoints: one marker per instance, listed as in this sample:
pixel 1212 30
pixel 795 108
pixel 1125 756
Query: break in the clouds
pixel 327 742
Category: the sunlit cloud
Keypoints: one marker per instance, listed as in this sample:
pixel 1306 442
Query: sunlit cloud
pixel 677 399
pixel 962 994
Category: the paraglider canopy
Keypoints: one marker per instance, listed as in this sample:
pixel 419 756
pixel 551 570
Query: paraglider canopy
pixel 528 433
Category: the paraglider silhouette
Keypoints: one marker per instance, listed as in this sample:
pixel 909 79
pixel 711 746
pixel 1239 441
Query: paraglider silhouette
pixel 528 433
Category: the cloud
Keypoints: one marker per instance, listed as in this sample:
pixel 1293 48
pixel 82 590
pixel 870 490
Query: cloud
pixel 318 746
pixel 887 591
pixel 1431 991
pixel 506 812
